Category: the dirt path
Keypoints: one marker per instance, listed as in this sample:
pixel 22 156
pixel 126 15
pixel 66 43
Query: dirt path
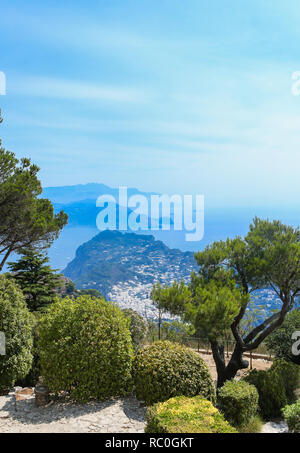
pixel 114 416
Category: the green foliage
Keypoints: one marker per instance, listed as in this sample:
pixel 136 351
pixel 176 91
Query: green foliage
pixel 292 417
pixel 36 279
pixel 172 299
pixel 26 219
pixel 290 374
pixel 16 323
pixel 177 331
pixel 138 327
pixel 276 386
pixel 85 348
pixel 238 401
pixel 32 378
pixel 164 369
pixel 88 292
pixel 186 415
pixel 253 426
pixel 218 296
pixel 214 307
pixel 271 390
pixel 68 288
pixel 280 341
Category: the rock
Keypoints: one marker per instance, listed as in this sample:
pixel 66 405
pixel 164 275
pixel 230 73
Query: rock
pixel 275 427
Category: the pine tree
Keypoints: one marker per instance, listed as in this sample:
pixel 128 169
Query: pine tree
pixel 38 281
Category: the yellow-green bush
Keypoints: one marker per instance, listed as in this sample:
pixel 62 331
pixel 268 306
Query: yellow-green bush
pixel 16 324
pixel 85 348
pixel 164 370
pixel 186 415
pixel 238 401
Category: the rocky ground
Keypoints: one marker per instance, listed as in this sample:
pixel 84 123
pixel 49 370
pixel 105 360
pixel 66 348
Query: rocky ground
pixel 113 416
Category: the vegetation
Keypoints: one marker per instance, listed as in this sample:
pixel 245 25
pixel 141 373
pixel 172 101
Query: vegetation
pixel 291 415
pixel 36 279
pixel 68 288
pixel 229 272
pixel 280 341
pixel 252 427
pixel 32 377
pixel 164 370
pixel 290 374
pixel 16 324
pixel 138 327
pixel 177 331
pixel 85 348
pixel 186 415
pixel 271 390
pixel 238 401
pixel 26 219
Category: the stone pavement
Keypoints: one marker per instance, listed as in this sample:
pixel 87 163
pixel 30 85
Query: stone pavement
pixel 112 416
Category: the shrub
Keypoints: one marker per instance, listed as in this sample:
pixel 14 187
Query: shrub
pixel 85 348
pixel 292 417
pixel 238 401
pixel 252 427
pixel 31 379
pixel 138 327
pixel 164 370
pixel 186 415
pixel 271 391
pixel 290 374
pixel 280 341
pixel 16 324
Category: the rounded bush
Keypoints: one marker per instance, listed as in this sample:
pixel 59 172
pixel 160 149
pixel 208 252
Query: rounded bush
pixel 16 325
pixel 85 349
pixel 271 391
pixel 186 415
pixel 238 401
pixel 164 370
pixel 292 417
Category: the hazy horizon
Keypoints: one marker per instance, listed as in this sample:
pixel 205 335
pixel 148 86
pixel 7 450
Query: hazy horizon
pixel 187 98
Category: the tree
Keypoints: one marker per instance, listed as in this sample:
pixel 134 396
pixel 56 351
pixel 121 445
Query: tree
pixel 230 272
pixel 36 279
pixel 177 331
pixel 26 219
pixel 168 299
pixel 280 341
pixel 138 327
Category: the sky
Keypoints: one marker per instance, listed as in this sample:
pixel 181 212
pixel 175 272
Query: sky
pixel 189 97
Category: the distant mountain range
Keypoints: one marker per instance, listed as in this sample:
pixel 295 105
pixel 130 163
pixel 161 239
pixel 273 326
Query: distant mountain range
pixel 80 192
pixel 124 266
pixel 79 201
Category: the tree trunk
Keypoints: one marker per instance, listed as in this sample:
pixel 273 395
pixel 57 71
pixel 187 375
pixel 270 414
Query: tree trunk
pixel 219 358
pixel 159 324
pixel 4 259
pixel 226 373
pixel 236 363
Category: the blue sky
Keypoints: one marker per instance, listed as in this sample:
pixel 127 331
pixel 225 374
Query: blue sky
pixel 165 95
